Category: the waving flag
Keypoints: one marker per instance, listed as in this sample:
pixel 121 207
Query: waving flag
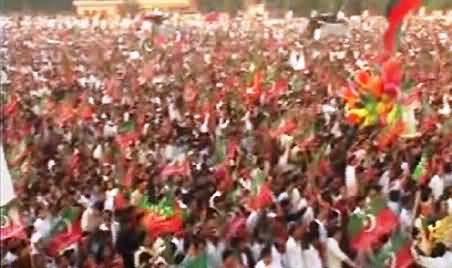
pixel 366 228
pixel 395 13
pixel 65 232
pixel 182 169
pixel 421 169
pixel 128 135
pixel 395 254
pixel 261 193
pixel 161 218
pixel 10 223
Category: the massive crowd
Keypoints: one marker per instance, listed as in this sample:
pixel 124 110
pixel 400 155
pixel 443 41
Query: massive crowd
pixel 98 115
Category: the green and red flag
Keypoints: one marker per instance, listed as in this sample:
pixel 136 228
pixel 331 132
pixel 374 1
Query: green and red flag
pixel 365 228
pixel 10 223
pixel 261 193
pixel 65 232
pixel 396 253
pixel 128 135
pixel 420 171
pixel 162 218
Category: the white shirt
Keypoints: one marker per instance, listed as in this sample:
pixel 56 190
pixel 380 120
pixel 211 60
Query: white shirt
pixel 334 254
pixel 277 259
pixel 437 186
pixel 293 255
pixel 311 258
pixel 405 220
pixel 110 195
pixel 350 181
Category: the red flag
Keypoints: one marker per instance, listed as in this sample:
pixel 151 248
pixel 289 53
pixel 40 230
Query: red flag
pixel 127 139
pixel 182 168
pixel 10 224
pixel 395 14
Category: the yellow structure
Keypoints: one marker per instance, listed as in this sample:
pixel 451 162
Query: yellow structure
pixel 113 7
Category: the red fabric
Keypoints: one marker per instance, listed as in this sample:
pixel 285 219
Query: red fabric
pixel 12 230
pixel 263 198
pixel 11 106
pixel 128 178
pixel 65 239
pixel 120 201
pixel 403 257
pixel 236 227
pixel 160 40
pixel 395 19
pixel 66 113
pixel 392 73
pixel 125 140
pixel 176 169
pixel 233 148
pixel 385 223
pixel 212 17
pixel 278 89
pixel 157 225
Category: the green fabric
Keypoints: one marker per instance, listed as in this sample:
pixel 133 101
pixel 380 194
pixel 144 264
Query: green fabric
pixel 382 257
pixel 69 215
pixel 200 261
pixel 127 127
pixel 420 169
pixel 357 221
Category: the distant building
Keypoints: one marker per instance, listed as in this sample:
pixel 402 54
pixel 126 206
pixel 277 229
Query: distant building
pixel 115 7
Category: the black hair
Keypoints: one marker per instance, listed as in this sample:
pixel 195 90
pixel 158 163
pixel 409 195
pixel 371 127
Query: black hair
pixel 438 250
pixel 99 205
pixel 266 251
pixel 394 195
pixel 228 253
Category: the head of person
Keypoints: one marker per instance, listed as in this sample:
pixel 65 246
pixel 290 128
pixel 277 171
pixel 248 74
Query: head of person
pixel 266 255
pixel 230 259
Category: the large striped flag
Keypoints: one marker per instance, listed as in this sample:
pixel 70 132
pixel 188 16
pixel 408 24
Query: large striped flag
pixel 10 223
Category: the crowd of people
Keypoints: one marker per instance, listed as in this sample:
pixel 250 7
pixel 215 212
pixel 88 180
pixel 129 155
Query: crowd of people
pixel 99 115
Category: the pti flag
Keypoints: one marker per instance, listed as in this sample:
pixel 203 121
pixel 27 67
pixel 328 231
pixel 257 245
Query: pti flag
pixel 10 224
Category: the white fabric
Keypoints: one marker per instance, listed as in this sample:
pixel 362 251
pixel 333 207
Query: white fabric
pixel 277 259
pixel 437 186
pixel 7 189
pixel 405 220
pixel 110 195
pixel 350 181
pixel 311 258
pixel 293 255
pixel 440 262
pixel 334 254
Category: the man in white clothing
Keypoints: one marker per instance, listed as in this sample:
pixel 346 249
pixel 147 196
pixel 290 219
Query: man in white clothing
pixel 334 254
pixel 293 255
